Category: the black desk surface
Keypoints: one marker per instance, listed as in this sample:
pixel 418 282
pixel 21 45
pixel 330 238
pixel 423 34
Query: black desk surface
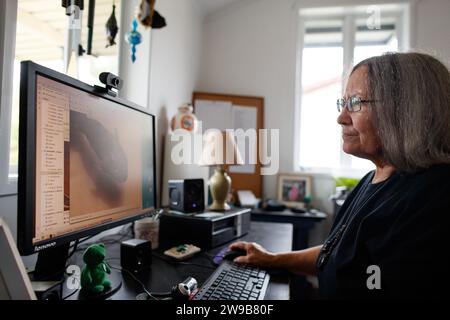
pixel 288 215
pixel 162 274
pixel 302 223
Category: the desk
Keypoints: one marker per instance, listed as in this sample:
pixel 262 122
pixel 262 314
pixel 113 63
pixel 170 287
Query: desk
pixel 302 223
pixel 162 275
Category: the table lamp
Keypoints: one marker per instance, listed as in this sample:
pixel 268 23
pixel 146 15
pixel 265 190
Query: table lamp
pixel 219 149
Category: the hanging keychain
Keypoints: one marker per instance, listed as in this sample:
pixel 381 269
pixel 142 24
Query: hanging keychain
pixel 134 37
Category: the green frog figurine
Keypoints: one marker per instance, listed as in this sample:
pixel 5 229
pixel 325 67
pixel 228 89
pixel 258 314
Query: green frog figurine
pixel 94 275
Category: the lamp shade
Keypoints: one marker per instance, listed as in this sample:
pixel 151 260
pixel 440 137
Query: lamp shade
pixel 219 148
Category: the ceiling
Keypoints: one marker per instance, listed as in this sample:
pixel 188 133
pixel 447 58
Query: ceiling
pixel 211 6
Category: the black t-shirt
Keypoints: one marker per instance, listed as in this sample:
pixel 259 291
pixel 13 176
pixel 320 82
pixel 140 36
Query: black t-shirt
pixel 400 225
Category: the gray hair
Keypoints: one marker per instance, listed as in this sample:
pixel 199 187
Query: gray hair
pixel 412 108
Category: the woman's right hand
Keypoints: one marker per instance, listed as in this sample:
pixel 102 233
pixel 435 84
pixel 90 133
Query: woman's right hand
pixel 256 254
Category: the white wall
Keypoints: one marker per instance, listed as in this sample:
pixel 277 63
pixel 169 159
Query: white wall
pixel 250 48
pixel 166 70
pixel 174 59
pixel 175 64
pixel 135 75
pixel 433 28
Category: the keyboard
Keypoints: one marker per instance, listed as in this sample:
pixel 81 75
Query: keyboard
pixel 233 282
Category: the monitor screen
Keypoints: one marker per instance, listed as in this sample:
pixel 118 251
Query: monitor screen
pixel 93 161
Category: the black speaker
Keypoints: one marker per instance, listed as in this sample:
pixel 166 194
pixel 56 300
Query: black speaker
pixel 135 254
pixel 187 195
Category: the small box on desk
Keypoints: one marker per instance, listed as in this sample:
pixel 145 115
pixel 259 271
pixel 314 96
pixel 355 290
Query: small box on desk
pixel 205 230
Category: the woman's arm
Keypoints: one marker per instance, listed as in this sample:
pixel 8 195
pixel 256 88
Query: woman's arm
pixel 301 262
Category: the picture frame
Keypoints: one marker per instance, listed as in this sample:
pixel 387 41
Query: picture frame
pixel 293 189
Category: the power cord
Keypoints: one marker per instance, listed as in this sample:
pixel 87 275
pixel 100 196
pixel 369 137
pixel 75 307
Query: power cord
pixel 137 280
pixel 70 294
pixel 109 239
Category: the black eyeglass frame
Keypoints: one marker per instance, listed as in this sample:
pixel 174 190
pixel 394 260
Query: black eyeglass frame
pixel 351 103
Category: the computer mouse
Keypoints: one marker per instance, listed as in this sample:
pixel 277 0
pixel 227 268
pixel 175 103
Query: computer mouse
pixel 232 254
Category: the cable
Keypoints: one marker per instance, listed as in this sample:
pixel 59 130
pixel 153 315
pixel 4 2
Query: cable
pixel 106 239
pixel 161 294
pixel 107 242
pixel 137 280
pixel 87 238
pixel 70 294
pixel 112 258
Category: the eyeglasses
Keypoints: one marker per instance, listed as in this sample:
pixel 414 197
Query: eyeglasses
pixel 353 104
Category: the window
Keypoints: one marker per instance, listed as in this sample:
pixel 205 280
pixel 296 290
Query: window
pixel 8 9
pixel 41 37
pixel 334 40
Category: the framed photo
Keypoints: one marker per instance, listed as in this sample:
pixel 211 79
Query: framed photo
pixel 293 189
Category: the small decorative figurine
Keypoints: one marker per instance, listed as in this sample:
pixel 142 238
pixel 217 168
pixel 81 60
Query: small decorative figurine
pixel 94 274
pixel 133 38
pixel 112 28
pixel 184 119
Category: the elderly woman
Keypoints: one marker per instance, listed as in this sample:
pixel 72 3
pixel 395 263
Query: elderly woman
pixel 395 113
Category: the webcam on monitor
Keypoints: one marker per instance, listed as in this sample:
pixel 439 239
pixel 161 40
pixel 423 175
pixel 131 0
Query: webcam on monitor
pixel 110 81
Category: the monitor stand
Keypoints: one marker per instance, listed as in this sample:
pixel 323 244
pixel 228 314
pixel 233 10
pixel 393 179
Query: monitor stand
pixel 51 266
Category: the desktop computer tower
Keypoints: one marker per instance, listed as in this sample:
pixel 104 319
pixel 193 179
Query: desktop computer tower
pixel 205 230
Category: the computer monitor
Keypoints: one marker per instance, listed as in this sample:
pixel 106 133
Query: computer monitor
pixel 86 161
